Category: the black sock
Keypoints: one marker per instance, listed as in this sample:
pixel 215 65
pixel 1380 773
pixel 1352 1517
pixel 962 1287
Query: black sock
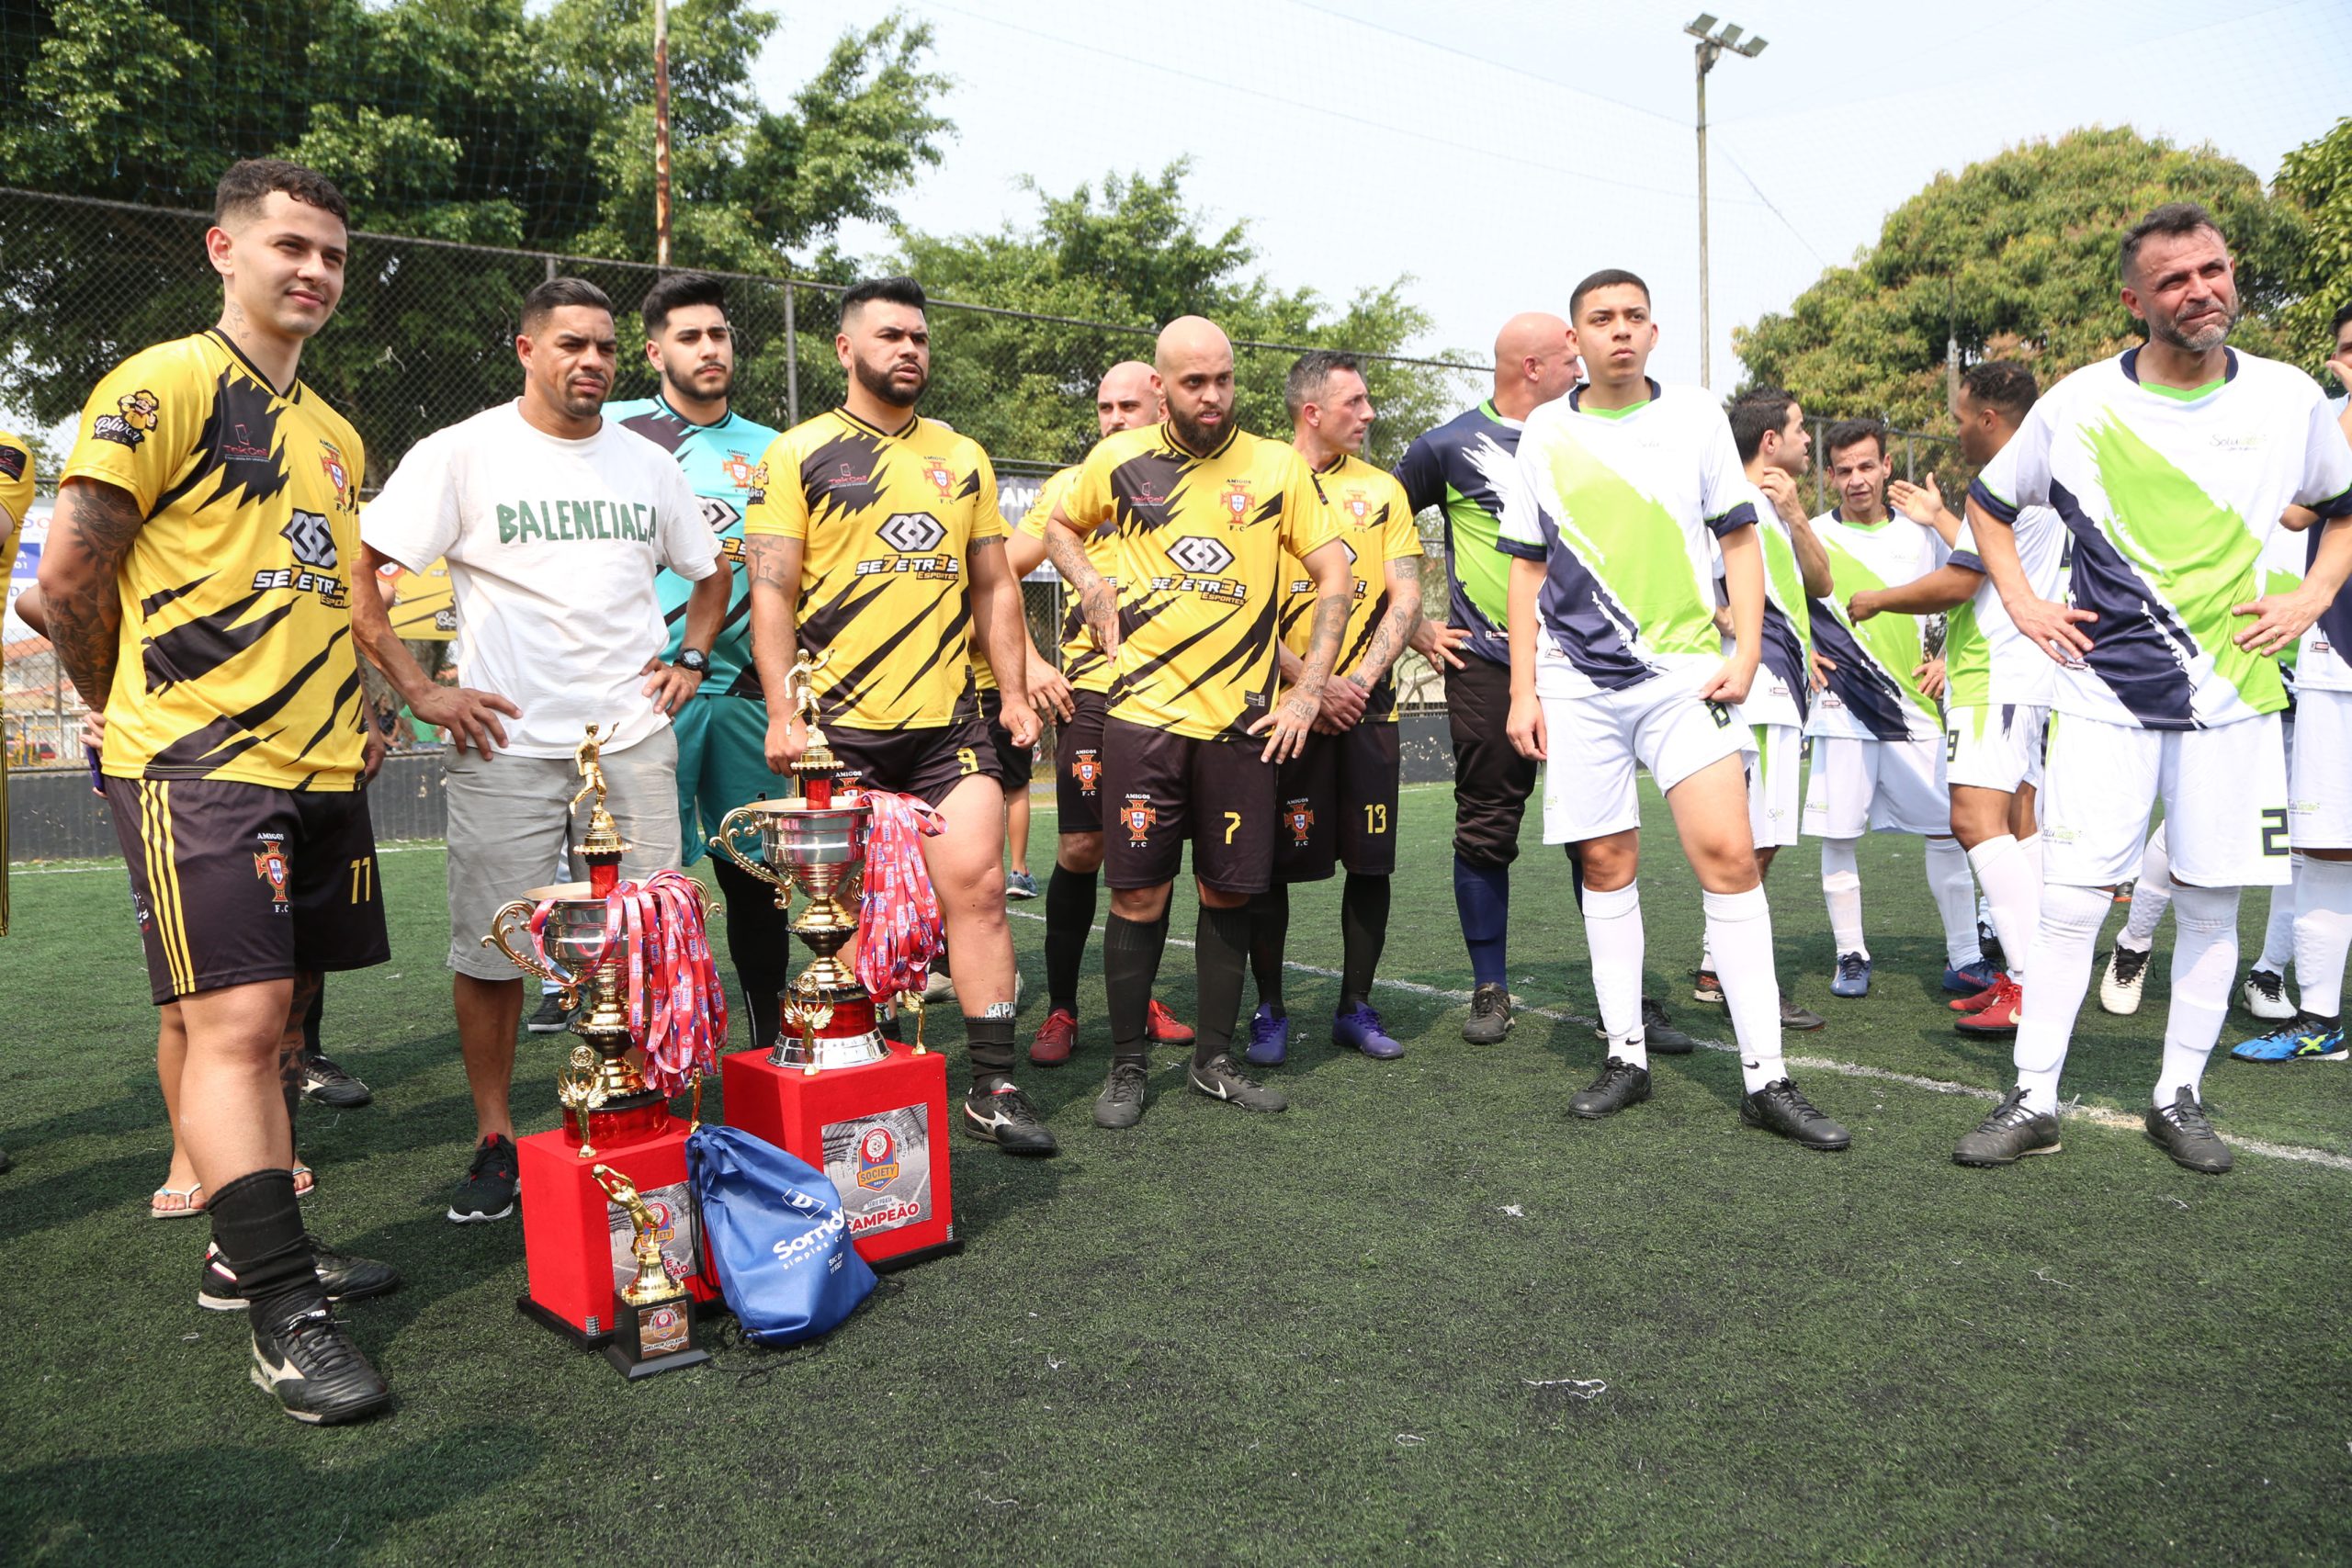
pixel 1576 877
pixel 259 1228
pixel 1070 914
pixel 1131 951
pixel 989 1043
pixel 1269 931
pixel 759 943
pixel 1363 931
pixel 1219 961
pixel 311 1018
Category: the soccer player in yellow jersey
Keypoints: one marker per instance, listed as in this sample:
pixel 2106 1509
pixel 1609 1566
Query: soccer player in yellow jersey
pixel 1127 399
pixel 1204 512
pixel 15 500
pixel 874 540
pixel 197 581
pixel 1337 799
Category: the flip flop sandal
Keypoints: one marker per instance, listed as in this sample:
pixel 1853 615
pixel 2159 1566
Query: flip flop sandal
pixel 175 1202
pixel 306 1181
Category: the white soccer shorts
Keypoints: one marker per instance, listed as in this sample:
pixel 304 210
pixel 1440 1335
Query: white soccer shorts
pixel 1879 786
pixel 1775 784
pixel 2224 792
pixel 1997 745
pixel 1594 742
pixel 2319 771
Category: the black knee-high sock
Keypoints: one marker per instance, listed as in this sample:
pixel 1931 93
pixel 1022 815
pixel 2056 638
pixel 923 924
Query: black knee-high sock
pixel 259 1227
pixel 311 1018
pixel 759 943
pixel 1220 958
pixel 990 1040
pixel 1131 951
pixel 1268 932
pixel 1363 931
pixel 1576 877
pixel 1070 914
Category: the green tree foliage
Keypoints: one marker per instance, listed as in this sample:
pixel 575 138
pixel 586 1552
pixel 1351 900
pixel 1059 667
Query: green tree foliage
pixel 1133 252
pixel 2317 177
pixel 2018 255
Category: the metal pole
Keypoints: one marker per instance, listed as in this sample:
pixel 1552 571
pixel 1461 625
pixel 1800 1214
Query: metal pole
pixel 1706 339
pixel 791 361
pixel 661 132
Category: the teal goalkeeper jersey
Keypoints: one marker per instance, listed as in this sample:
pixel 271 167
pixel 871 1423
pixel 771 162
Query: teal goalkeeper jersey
pixel 717 459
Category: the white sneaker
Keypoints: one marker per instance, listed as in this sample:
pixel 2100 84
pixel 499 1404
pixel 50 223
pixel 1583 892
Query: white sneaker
pixel 2265 995
pixel 2127 971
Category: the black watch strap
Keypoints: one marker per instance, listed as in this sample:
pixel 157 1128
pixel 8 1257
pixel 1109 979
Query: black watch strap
pixel 695 659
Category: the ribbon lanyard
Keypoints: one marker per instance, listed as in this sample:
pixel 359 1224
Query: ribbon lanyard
pixel 900 931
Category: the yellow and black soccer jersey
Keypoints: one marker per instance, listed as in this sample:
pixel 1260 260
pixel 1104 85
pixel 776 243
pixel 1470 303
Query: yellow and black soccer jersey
pixel 1375 521
pixel 887 518
pixel 1083 665
pixel 236 658
pixel 1201 543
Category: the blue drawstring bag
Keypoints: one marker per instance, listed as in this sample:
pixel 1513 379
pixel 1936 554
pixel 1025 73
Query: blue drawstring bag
pixel 775 1237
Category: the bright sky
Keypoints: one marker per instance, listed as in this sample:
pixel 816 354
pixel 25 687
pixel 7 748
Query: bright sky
pixel 1497 152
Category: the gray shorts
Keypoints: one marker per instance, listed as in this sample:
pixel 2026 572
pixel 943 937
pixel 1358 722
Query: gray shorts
pixel 508 826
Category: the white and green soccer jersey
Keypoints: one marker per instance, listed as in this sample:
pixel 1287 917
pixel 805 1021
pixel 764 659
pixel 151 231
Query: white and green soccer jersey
pixel 1783 691
pixel 2323 660
pixel 2170 498
pixel 1873 692
pixel 1621 507
pixel 1986 663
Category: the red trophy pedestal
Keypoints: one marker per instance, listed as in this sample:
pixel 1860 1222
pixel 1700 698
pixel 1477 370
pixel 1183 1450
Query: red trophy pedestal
pixel 878 1130
pixel 578 1244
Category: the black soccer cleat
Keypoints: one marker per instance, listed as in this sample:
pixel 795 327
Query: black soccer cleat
pixel 1658 1031
pixel 1221 1078
pixel 2012 1131
pixel 2184 1131
pixel 1004 1117
pixel 317 1375
pixel 341 1276
pixel 330 1085
pixel 1489 1018
pixel 1779 1107
pixel 1120 1104
pixel 492 1181
pixel 1621 1084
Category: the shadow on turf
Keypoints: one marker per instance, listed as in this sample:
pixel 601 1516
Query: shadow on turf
pixel 121 1509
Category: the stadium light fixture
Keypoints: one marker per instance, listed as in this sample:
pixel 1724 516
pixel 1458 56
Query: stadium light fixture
pixel 1712 44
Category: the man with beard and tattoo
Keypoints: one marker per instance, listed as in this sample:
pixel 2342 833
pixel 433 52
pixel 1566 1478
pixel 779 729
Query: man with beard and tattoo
pixel 1127 399
pixel 1204 512
pixel 555 522
pixel 2171 466
pixel 199 578
pixel 874 543
pixel 722 729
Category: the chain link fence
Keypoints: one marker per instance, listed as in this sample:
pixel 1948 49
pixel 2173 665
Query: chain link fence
pixel 424 334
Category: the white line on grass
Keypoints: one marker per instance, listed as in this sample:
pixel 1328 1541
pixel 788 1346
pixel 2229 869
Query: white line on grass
pixel 2096 1115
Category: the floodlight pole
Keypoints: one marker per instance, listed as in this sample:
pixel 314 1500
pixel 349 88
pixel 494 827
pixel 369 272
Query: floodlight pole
pixel 1712 44
pixel 661 133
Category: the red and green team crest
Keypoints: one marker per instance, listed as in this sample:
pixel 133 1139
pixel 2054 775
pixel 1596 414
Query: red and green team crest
pixel 1087 769
pixel 1138 814
pixel 269 864
pixel 938 473
pixel 1301 821
pixel 1358 507
pixel 1236 501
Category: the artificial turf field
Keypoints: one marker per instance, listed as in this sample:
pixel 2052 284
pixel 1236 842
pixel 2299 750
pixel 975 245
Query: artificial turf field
pixel 1425 1316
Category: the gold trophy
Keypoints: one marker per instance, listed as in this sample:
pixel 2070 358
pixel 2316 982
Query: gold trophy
pixel 816 842
pixel 655 1329
pixel 600 1084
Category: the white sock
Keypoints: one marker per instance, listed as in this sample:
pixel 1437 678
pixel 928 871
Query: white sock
pixel 1612 931
pixel 1955 897
pixel 2150 897
pixel 1841 881
pixel 2060 965
pixel 2204 967
pixel 1706 954
pixel 2014 894
pixel 1739 925
pixel 2322 933
pixel 2278 934
pixel 2031 849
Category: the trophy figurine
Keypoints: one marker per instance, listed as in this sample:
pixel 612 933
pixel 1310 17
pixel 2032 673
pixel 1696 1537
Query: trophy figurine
pixel 602 848
pixel 654 1330
pixel 816 842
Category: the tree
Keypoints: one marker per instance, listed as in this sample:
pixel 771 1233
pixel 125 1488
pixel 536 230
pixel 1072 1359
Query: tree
pixel 1134 253
pixel 2317 177
pixel 2018 256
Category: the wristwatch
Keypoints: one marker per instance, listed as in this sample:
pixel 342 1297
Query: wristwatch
pixel 695 659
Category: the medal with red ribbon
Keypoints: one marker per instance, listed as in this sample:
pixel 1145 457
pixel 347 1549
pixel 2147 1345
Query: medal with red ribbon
pixel 656 931
pixel 900 931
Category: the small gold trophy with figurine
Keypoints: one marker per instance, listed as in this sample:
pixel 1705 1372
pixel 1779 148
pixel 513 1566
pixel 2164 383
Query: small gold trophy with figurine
pixel 653 1325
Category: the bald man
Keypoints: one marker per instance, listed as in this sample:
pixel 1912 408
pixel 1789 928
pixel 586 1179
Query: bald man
pixel 1128 398
pixel 1199 719
pixel 1466 467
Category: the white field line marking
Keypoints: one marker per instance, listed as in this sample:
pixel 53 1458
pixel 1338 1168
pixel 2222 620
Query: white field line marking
pixel 2099 1116
pixel 71 868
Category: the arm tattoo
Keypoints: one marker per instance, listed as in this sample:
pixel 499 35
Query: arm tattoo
pixel 760 553
pixel 98 522
pixel 1396 629
pixel 1323 641
pixel 1098 599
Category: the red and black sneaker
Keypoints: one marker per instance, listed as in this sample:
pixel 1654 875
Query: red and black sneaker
pixel 1998 1016
pixel 1056 1037
pixel 1161 1028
